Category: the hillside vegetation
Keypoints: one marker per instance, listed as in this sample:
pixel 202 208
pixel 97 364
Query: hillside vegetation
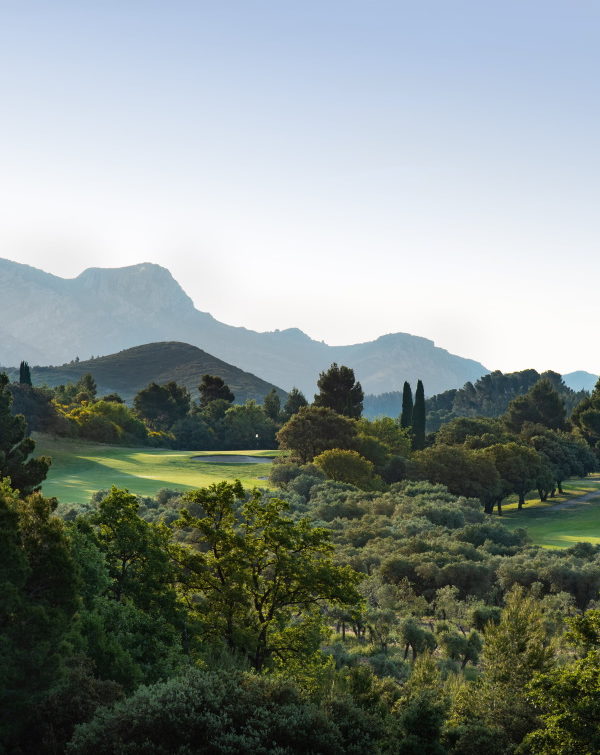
pixel 131 370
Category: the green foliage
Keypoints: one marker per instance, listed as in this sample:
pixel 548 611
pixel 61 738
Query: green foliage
pixel 515 650
pixel 108 422
pixel 37 603
pixel 247 426
pixel 26 474
pixel 518 466
pixel 272 405
pixel 491 395
pixel 406 416
pixel 193 433
pixel 294 402
pixel 471 431
pixel 586 417
pixel 419 418
pixel 541 405
pixel 162 405
pixel 258 574
pixel 24 374
pixel 136 553
pixel 340 391
pixel 461 470
pixel 569 696
pixel 223 713
pixel 314 429
pixel 213 388
pixel 388 431
pixel 347 466
pixel 36 405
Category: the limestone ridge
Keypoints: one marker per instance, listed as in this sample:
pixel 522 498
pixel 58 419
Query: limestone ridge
pixel 46 319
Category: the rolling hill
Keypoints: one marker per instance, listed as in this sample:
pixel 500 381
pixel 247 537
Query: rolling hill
pixel 45 319
pixel 128 371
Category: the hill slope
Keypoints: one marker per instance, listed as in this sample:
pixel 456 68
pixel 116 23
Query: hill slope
pixel 48 320
pixel 128 371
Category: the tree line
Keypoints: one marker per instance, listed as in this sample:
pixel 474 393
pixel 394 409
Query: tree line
pixel 321 618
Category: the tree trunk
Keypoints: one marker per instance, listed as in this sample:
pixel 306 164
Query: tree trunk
pixel 499 505
pixel 521 500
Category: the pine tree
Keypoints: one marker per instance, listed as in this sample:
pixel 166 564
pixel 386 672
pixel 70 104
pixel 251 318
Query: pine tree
pixel 418 418
pixel 340 391
pixel 212 388
pixel 272 405
pixel 295 402
pixel 407 406
pixel 24 374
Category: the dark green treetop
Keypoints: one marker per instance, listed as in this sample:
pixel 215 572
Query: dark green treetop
pixel 16 446
pixel 295 401
pixel 212 388
pixel 340 391
pixel 418 418
pixel 407 406
pixel 24 374
pixel 272 405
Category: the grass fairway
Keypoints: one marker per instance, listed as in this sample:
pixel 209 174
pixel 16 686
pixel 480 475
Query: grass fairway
pixel 556 523
pixel 81 468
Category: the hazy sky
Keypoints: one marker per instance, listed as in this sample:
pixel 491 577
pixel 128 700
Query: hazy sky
pixel 349 168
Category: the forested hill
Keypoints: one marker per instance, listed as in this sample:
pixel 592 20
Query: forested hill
pixel 128 371
pixel 487 397
pixel 50 320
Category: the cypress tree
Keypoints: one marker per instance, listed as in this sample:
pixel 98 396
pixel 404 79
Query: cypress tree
pixel 24 374
pixel 418 418
pixel 407 406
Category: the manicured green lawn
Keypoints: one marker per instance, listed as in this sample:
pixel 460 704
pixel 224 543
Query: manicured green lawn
pixel 562 526
pixel 80 468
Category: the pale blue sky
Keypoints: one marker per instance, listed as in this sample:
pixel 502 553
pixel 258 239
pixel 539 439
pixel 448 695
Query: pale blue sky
pixel 349 168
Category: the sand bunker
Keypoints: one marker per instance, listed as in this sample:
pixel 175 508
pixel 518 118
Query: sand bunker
pixel 233 459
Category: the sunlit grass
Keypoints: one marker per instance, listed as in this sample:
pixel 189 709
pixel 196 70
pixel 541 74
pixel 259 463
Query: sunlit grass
pixel 81 468
pixel 560 526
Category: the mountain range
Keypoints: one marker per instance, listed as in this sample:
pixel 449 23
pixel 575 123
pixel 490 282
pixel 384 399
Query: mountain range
pixel 45 319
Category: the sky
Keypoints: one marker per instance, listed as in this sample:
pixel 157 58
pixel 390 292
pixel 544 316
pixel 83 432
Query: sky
pixel 348 168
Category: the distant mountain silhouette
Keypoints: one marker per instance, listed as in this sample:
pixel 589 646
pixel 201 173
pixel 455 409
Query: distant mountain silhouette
pixel 580 380
pixel 128 371
pixel 45 319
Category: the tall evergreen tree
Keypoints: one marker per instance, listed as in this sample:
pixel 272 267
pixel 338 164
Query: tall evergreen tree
pixel 295 402
pixel 407 406
pixel 418 418
pixel 24 374
pixel 340 391
pixel 16 446
pixel 272 405
pixel 212 388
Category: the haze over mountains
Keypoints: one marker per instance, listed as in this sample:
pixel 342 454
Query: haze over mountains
pixel 50 320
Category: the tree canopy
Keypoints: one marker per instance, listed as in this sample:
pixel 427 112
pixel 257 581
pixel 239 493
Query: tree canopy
pixel 26 474
pixel 213 387
pixel 339 390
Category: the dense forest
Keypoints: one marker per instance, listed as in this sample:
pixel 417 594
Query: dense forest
pixel 370 604
pixel 489 396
